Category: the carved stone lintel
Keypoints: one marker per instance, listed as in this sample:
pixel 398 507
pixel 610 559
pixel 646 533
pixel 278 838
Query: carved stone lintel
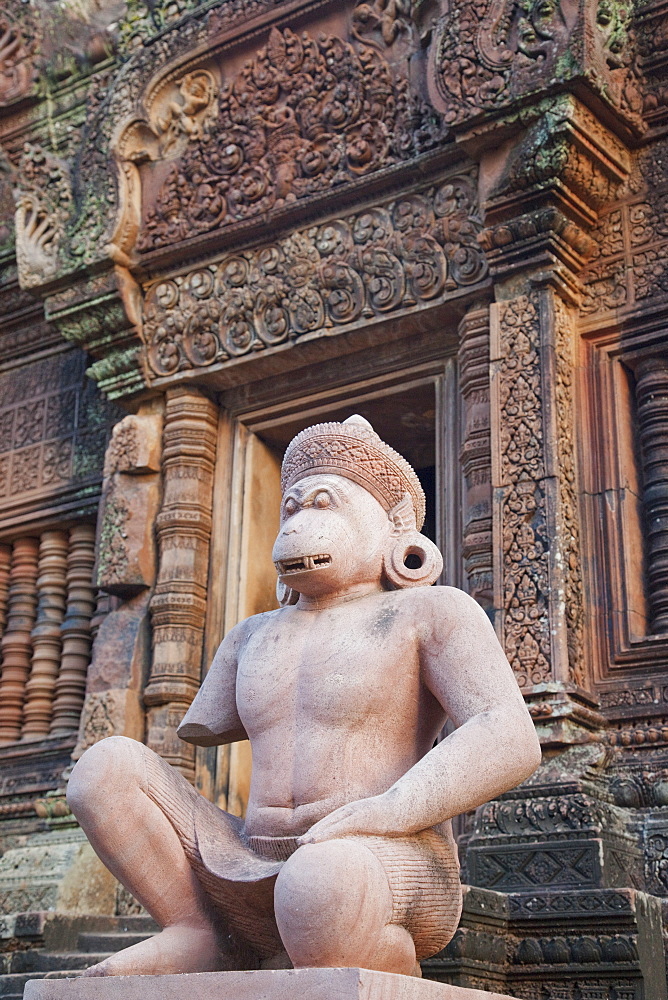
pixel 652 408
pixel 16 645
pixel 475 455
pixel 179 602
pixel 75 630
pixel 46 635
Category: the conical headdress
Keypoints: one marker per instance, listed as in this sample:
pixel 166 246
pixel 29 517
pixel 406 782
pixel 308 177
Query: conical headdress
pixel 354 450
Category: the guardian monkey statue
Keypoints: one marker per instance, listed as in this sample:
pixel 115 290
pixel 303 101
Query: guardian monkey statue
pixel 346 855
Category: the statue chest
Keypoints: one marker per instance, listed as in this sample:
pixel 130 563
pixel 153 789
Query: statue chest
pixel 328 676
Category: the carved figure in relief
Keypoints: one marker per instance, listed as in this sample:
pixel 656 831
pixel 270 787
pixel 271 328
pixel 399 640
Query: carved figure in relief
pixel 346 855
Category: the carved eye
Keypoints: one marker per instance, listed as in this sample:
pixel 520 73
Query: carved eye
pixel 291 507
pixel 322 500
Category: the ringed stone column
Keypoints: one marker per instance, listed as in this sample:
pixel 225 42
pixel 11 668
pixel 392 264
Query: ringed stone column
pixel 178 606
pixel 46 635
pixel 652 408
pixel 16 643
pixel 75 632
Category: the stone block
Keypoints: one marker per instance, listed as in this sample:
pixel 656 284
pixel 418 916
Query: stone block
pixel 264 984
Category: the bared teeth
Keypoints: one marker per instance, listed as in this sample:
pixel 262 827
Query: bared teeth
pixel 305 563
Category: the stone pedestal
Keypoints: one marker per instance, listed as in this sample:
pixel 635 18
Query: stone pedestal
pixel 269 984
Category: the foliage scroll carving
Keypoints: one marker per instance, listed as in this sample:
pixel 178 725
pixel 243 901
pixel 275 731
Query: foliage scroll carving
pixel 387 258
pixel 487 53
pixel 303 115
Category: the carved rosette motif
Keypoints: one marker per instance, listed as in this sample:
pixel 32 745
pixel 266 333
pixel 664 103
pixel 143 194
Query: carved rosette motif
pixel 405 253
pixel 302 116
pixel 523 503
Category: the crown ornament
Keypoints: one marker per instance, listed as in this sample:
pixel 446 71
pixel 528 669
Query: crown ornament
pixel 353 449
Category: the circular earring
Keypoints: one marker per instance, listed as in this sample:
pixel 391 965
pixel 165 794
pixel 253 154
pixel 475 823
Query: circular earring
pixel 286 595
pixel 412 561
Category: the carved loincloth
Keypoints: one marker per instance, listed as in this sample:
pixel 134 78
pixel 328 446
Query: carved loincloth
pixel 237 872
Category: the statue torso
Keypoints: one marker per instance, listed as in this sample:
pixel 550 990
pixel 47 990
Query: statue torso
pixel 334 705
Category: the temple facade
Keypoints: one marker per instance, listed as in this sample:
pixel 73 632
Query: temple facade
pixel 222 221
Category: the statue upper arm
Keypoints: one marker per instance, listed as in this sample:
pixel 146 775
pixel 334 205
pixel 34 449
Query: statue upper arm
pixel 463 663
pixel 212 719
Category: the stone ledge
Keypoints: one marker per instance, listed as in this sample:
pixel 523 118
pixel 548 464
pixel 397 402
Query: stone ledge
pixel 264 984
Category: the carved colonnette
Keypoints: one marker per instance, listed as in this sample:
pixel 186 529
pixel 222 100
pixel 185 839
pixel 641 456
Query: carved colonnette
pixel 178 606
pixel 475 455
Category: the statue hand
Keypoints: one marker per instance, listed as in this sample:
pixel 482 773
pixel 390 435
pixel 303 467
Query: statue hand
pixel 373 816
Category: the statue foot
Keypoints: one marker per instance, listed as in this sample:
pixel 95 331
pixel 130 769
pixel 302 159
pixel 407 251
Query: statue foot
pixel 176 949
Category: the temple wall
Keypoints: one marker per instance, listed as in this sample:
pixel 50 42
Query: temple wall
pixel 222 221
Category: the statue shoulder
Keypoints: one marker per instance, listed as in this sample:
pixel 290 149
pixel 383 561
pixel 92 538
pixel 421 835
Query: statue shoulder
pixel 440 609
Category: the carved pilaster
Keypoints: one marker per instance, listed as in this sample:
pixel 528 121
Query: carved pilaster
pixel 16 645
pixel 179 603
pixel 475 454
pixel 538 585
pixel 75 630
pixel 652 409
pixel 46 635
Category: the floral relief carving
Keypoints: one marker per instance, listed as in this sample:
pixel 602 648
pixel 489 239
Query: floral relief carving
pixel 569 523
pixel 486 53
pixel 524 529
pixel 302 116
pixel 392 257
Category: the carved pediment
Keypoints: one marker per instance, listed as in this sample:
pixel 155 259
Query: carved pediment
pixel 302 116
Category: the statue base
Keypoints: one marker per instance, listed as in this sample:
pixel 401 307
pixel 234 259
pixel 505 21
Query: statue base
pixel 263 984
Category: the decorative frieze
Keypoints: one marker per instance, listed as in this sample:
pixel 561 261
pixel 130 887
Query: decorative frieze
pixel 403 254
pixel 178 605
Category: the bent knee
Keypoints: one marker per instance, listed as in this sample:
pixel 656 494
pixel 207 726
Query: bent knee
pixel 115 761
pixel 322 874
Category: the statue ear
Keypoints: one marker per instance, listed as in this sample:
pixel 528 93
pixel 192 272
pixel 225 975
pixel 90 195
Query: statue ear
pixel 286 595
pixel 411 559
pixel 402 516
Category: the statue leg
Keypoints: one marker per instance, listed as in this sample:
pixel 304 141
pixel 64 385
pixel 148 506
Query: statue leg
pixel 334 906
pixel 138 844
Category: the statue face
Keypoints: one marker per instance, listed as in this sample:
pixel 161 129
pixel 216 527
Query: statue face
pixel 332 537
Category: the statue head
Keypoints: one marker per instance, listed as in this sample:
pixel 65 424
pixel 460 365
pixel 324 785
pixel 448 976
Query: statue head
pixel 351 512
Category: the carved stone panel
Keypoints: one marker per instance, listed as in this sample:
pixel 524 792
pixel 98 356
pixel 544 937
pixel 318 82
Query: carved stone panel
pixel 407 253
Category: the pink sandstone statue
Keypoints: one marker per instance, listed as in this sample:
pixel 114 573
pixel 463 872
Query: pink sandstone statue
pixel 346 855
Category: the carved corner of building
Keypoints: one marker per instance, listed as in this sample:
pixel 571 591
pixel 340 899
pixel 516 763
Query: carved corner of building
pixel 487 58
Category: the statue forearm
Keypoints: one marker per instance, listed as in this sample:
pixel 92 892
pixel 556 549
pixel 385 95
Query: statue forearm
pixel 488 755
